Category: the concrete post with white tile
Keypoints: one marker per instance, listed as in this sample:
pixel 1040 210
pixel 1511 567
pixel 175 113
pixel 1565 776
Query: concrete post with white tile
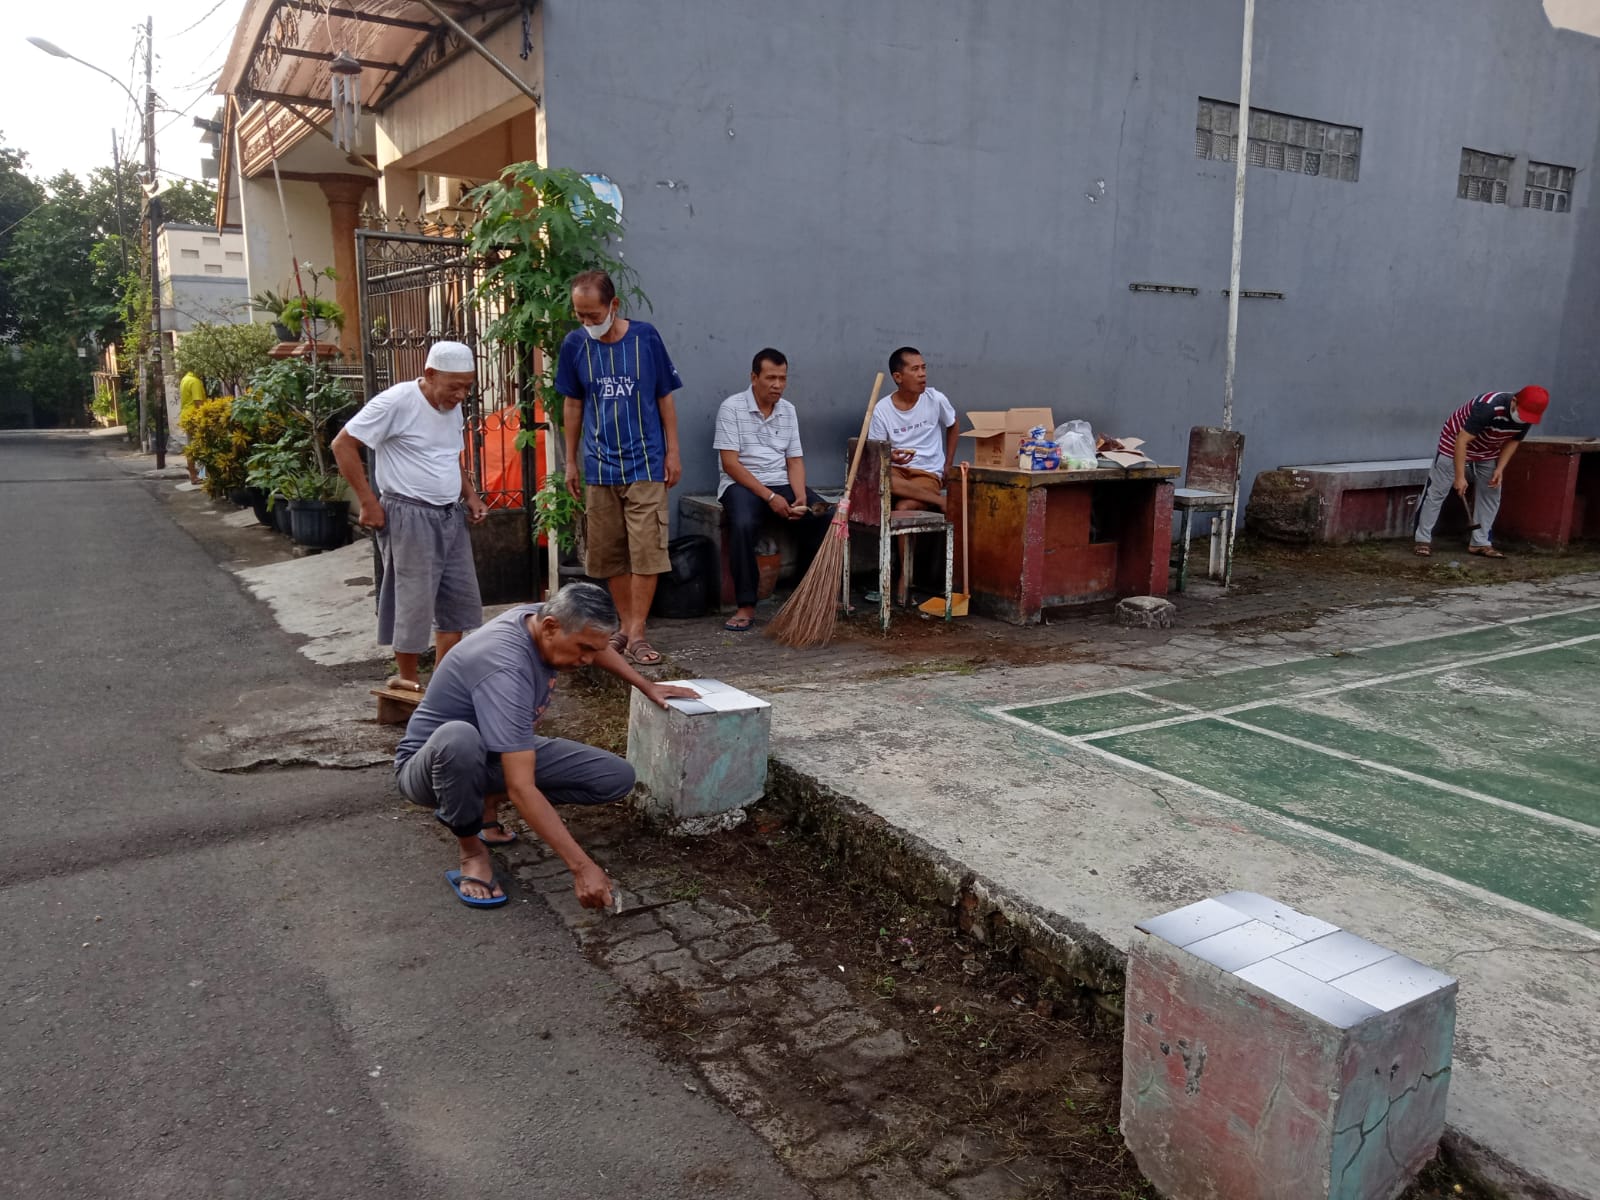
pixel 1268 1054
pixel 700 758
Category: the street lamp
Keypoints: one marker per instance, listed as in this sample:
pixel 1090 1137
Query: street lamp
pixel 153 216
pixel 51 48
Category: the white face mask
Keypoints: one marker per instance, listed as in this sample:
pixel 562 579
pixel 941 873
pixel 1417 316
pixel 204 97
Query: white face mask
pixel 599 331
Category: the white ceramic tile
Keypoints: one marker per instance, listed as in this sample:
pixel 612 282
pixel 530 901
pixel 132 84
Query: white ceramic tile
pixel 1192 922
pixel 1337 954
pixel 1310 995
pixel 715 696
pixel 1392 983
pixel 1242 945
pixel 1278 914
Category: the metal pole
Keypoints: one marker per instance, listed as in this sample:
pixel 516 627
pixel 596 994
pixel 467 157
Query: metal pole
pixel 153 210
pixel 484 51
pixel 1241 156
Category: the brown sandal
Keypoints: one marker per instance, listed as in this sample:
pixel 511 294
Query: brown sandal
pixel 1422 550
pixel 618 641
pixel 1485 552
pixel 642 654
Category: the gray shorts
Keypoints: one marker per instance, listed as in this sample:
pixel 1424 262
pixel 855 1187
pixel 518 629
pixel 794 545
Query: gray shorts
pixel 452 773
pixel 429 581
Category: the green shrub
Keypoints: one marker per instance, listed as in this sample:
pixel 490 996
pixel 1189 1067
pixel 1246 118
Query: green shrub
pixel 224 444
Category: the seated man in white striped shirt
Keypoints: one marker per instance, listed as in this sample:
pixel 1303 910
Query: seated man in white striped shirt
pixel 763 474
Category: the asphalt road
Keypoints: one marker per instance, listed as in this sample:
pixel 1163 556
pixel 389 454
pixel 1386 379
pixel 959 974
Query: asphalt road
pixel 258 985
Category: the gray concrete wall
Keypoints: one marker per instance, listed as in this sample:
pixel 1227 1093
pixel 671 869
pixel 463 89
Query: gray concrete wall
pixel 984 180
pixel 216 299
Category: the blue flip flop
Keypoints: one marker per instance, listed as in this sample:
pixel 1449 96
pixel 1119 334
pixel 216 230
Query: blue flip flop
pixel 456 879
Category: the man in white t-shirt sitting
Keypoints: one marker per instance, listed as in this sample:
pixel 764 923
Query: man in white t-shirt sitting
pixel 763 475
pixel 414 432
pixel 919 423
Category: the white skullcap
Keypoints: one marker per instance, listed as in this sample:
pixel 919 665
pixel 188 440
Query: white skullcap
pixel 452 357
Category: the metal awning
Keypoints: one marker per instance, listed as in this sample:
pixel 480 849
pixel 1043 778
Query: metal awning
pixel 282 48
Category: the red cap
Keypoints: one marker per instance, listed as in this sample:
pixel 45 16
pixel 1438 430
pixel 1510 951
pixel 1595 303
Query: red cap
pixel 1531 403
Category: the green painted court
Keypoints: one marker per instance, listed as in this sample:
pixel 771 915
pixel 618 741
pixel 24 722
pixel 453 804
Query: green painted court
pixel 1470 757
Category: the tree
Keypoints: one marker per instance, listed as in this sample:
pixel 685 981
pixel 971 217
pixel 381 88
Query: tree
pixel 19 195
pixel 69 284
pixel 59 290
pixel 225 356
pixel 189 201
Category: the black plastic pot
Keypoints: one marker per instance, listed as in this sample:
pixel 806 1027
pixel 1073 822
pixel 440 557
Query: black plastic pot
pixel 685 591
pixel 282 330
pixel 320 524
pixel 280 516
pixel 258 502
pixel 239 497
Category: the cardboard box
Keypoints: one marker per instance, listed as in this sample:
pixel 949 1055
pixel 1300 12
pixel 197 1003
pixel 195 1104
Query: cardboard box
pixel 1128 454
pixel 997 436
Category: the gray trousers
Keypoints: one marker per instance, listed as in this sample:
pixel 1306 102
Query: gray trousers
pixel 429 581
pixel 452 773
pixel 1485 499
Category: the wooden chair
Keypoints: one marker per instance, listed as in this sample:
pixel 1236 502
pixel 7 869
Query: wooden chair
pixel 872 507
pixel 1210 485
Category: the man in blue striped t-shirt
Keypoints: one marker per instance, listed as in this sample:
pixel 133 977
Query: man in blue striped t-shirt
pixel 617 380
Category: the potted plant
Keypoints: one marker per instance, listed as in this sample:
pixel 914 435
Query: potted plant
pixel 272 303
pixel 307 315
pixel 533 254
pixel 299 465
pixel 270 470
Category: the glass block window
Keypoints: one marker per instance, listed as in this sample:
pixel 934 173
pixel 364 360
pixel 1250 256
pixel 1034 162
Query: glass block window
pixel 1549 187
pixel 1484 176
pixel 1279 141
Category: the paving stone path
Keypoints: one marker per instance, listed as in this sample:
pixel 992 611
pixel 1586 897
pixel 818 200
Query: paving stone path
pixel 785 1046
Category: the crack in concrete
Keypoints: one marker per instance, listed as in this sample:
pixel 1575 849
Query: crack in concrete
pixel 1365 1131
pixel 1577 951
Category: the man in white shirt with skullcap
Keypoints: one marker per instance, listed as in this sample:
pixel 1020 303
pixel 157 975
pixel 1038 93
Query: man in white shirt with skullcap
pixel 422 501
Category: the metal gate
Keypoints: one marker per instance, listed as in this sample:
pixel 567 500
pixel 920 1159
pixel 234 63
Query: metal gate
pixel 416 289
pixel 419 288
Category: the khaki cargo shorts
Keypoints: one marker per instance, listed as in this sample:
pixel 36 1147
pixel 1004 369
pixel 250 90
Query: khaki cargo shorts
pixel 626 526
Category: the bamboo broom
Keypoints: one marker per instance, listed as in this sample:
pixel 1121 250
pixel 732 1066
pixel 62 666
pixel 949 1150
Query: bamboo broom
pixel 807 617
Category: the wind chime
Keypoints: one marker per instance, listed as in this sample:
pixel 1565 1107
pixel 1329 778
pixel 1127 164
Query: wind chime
pixel 344 74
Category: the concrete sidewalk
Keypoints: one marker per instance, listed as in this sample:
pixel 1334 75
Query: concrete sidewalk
pixel 1047 829
pixel 1066 841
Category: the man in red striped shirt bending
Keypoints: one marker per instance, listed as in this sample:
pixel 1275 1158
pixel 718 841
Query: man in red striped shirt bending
pixel 1477 442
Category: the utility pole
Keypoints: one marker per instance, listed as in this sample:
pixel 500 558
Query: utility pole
pixel 153 214
pixel 116 169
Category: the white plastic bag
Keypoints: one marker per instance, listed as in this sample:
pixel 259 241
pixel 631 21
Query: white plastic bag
pixel 1076 440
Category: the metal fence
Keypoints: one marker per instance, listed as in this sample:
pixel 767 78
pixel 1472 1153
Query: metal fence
pixel 420 288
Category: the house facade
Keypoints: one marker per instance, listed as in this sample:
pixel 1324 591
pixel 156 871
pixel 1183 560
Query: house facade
pixel 202 275
pixel 1037 195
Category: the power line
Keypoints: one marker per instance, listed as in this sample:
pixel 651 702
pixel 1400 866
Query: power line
pixel 209 14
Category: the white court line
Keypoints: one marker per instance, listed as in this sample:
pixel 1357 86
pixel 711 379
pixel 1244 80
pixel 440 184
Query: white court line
pixel 1354 685
pixel 1482 895
pixel 1414 777
pixel 1556 819
pixel 1460 885
pixel 1096 693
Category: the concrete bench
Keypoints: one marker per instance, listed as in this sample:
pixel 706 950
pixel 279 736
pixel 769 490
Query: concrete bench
pixel 1342 502
pixel 705 516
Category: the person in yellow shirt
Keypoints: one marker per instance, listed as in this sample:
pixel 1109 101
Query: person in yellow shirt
pixel 191 393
